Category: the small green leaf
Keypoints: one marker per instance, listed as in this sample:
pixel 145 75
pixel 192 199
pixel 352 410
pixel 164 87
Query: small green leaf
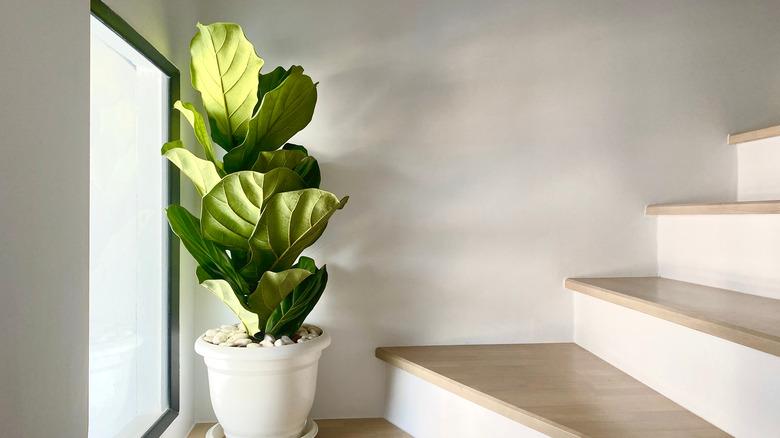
pixel 212 260
pixel 290 223
pixel 296 306
pixel 202 274
pixel 309 170
pixel 224 292
pixel 295 147
pixel 202 173
pixel 267 161
pixel 232 208
pixel 272 289
pixel 270 81
pixel 224 69
pixel 199 127
pixel 283 112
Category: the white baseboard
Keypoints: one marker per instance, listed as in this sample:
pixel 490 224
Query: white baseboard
pixel 736 252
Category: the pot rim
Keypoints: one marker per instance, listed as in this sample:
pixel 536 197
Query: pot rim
pixel 207 349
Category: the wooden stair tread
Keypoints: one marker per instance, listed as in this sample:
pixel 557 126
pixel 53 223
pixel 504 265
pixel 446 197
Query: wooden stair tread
pixel 560 390
pixel 758 134
pixel 340 428
pixel 745 207
pixel 750 320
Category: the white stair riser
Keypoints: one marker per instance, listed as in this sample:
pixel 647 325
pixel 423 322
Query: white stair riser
pixel 737 252
pixel 758 170
pixel 424 410
pixel 733 387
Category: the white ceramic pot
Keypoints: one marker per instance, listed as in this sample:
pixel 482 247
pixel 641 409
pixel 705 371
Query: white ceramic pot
pixel 263 392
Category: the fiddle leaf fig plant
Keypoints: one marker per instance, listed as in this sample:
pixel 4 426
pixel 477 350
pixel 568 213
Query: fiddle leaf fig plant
pixel 261 207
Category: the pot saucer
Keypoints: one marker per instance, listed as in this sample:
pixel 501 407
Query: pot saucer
pixel 309 431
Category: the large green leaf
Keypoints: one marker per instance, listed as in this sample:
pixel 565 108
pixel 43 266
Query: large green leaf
pixel 232 208
pixel 224 68
pixel 296 306
pixel 199 127
pixel 202 173
pixel 272 289
pixel 213 261
pixel 224 292
pixel 283 112
pixel 290 223
pixel 267 161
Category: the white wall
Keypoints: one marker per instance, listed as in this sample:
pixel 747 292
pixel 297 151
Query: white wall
pixel 492 148
pixel 44 214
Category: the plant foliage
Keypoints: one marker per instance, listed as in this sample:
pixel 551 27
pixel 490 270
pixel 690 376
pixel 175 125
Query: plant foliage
pixel 261 207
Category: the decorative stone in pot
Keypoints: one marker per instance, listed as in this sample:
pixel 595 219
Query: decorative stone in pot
pixel 263 392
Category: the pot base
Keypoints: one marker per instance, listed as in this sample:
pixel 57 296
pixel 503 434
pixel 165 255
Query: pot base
pixel 309 431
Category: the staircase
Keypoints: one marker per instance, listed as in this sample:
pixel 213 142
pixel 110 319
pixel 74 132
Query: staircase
pixel 694 352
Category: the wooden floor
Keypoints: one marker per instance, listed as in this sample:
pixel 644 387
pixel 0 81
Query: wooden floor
pixel 347 428
pixel 558 389
pixel 746 319
pixel 359 428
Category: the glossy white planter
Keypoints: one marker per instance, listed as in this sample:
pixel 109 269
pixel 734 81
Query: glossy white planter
pixel 263 392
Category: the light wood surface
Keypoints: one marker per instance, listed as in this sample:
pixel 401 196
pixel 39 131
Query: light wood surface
pixel 746 319
pixel 359 428
pixel 759 134
pixel 748 207
pixel 199 430
pixel 342 428
pixel 558 389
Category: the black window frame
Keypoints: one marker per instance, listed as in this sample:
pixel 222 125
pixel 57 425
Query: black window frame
pixel 119 26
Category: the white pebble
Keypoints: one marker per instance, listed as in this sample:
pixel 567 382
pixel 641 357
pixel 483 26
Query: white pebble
pixel 253 345
pixel 236 336
pixel 242 329
pixel 278 343
pixel 211 332
pixel 286 340
pixel 301 340
pixel 266 343
pixel 228 327
pixel 227 344
pixel 269 337
pixel 219 338
pixel 315 331
pixel 242 342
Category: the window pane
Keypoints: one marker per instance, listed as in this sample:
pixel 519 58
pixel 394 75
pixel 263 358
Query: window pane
pixel 128 270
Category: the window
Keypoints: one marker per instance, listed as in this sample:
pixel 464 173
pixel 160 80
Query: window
pixel 133 366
